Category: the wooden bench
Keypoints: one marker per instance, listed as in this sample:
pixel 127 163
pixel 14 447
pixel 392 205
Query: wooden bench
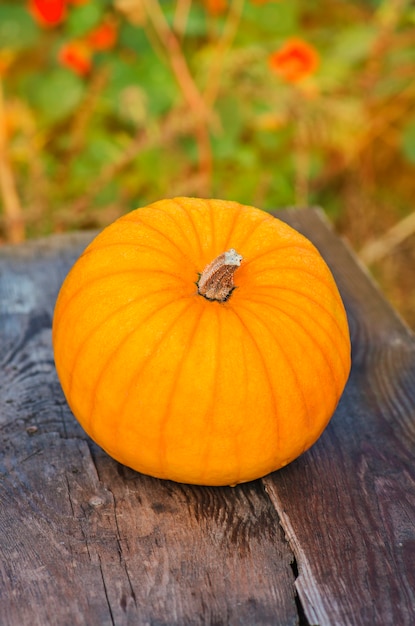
pixel 328 540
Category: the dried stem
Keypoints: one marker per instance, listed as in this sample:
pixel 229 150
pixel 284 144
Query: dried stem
pixel 78 131
pixel 379 248
pixel 201 111
pixel 301 152
pixel 302 168
pixel 181 15
pixel 378 123
pixel 221 48
pixel 387 18
pixel 172 127
pixel 216 280
pixel 191 93
pixel 15 232
pixel 379 118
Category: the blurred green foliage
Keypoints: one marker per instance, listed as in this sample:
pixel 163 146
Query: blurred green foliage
pixel 186 103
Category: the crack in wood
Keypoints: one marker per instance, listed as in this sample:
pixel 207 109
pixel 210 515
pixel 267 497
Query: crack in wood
pixel 302 619
pixel 305 592
pixel 69 496
pixel 106 592
pixel 123 601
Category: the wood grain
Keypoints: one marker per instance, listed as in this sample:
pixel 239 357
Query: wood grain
pixel 348 505
pixel 87 541
pixel 84 540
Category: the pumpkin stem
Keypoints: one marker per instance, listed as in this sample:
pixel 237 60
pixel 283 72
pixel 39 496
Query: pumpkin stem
pixel 216 280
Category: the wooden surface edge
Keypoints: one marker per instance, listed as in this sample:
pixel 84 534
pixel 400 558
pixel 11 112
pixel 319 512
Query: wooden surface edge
pixel 342 254
pixel 378 334
pixel 369 442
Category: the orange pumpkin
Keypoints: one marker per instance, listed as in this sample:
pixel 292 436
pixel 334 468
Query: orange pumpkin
pixel 201 341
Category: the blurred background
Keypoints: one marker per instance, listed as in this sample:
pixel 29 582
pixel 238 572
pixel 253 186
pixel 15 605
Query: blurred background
pixel 107 105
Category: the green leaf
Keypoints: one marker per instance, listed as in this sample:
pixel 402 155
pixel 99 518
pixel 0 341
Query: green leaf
pixel 146 71
pixel 123 96
pixel 270 19
pixel 143 82
pixel 353 44
pixel 17 29
pixel 55 94
pixel 157 81
pixel 196 22
pixel 225 142
pixel 134 39
pixel 100 150
pixel 83 18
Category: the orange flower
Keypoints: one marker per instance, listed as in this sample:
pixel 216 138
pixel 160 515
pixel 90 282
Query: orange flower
pixel 295 60
pixel 47 12
pixel 216 7
pixel 104 37
pixel 76 56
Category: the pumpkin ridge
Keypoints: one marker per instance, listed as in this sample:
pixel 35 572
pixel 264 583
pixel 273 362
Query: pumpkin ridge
pixel 310 337
pixel 67 301
pixel 324 280
pixel 213 234
pixel 308 297
pixel 281 248
pixel 207 451
pixel 236 447
pixel 119 348
pixel 104 277
pixel 177 223
pixel 316 320
pixel 99 325
pixel 98 247
pixel 236 216
pixel 162 234
pixel 286 358
pixel 161 338
pixel 265 370
pixel 267 218
pixel 179 369
pixel 191 222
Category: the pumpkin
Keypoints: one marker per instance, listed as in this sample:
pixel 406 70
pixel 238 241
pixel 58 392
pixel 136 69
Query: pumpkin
pixel 201 341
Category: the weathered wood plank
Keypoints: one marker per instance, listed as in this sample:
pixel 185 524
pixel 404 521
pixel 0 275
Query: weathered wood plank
pixel 138 550
pixel 348 505
pixel 84 540
pixel 372 319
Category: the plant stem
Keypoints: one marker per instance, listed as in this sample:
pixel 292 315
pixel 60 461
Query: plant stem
pixel 301 155
pixel 377 249
pixel 14 226
pixel 180 16
pixel 191 93
pixel 216 280
pixel 222 46
pixel 168 130
pixel 81 120
pixel 387 18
